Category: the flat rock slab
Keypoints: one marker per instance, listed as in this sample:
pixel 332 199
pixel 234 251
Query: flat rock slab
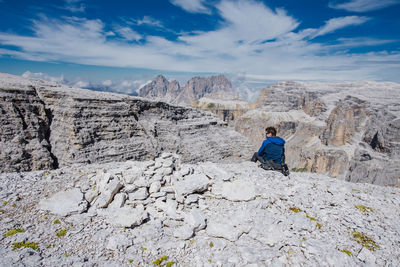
pixel 224 230
pixel 195 183
pixel 238 191
pixel 125 216
pixel 65 203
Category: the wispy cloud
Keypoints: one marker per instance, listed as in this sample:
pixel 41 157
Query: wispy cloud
pixel 193 6
pixel 339 23
pixel 75 6
pixel 363 5
pixel 251 38
pixel 128 33
pixel 43 76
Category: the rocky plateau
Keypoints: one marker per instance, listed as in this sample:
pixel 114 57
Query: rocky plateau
pixel 348 130
pixel 164 212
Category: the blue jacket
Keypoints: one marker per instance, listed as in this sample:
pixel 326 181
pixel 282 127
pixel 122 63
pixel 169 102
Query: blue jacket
pixel 273 148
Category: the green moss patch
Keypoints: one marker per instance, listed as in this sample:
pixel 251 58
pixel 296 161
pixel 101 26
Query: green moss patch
pixel 25 244
pixel 347 252
pixel 159 261
pixel 14 231
pixel 365 241
pixel 61 233
pixel 294 209
pixel 299 169
pixel 56 221
pixel 364 208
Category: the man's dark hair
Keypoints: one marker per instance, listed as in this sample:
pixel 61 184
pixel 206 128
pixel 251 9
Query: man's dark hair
pixel 270 130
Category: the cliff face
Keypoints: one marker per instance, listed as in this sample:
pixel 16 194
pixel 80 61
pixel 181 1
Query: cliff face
pixel 46 125
pixel 197 87
pixel 345 130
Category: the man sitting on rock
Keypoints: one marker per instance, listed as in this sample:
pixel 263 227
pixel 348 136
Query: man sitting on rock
pixel 272 152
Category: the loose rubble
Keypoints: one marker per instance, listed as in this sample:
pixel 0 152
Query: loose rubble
pixel 204 214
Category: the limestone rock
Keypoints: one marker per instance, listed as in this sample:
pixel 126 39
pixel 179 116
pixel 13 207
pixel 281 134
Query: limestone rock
pixel 65 203
pixel 195 183
pixel 108 193
pixel 224 230
pixel 125 216
pixel 196 219
pixel 238 191
pixel 139 194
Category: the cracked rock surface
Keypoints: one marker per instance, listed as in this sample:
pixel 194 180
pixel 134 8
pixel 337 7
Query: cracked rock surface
pixel 265 219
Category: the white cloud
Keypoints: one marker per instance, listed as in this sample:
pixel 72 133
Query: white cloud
pixel 147 20
pixel 363 5
pixel 81 84
pixel 339 23
pixel 128 33
pixel 74 6
pixel 251 38
pixel 107 83
pixel 43 76
pixel 193 6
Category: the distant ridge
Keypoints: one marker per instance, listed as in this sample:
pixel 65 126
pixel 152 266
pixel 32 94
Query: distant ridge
pixel 197 87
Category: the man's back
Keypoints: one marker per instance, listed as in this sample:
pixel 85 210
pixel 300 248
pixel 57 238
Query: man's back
pixel 272 149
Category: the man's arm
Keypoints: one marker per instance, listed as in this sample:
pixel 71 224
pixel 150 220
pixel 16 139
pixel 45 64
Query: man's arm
pixel 261 150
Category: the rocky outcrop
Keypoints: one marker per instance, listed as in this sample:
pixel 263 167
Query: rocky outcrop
pixel 197 87
pixel 345 130
pixel 25 128
pixel 59 126
pixel 161 89
pixel 194 215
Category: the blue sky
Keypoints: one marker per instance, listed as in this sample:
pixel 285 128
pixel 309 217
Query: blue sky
pixel 122 44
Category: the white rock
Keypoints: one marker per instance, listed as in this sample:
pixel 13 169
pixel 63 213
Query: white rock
pixel 183 232
pixel 168 189
pixel 141 182
pixel 130 188
pixel 366 256
pixel 139 194
pixel 119 200
pixel 192 184
pixel 158 194
pixel 167 171
pixel 65 203
pixel 155 187
pixel 196 219
pixel 191 199
pixel 90 195
pixel 214 172
pixel 224 230
pixel 238 191
pixel 125 216
pixel 107 194
pixel 118 242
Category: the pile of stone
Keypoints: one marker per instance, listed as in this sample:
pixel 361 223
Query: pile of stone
pixel 205 214
pixel 151 190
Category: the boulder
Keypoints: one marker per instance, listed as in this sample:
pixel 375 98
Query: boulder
pixel 238 191
pixel 195 183
pixel 65 203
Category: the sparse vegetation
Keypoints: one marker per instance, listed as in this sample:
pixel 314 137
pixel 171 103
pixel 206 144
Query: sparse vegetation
pixel 299 169
pixel 364 208
pixel 13 232
pixel 365 241
pixel 211 105
pixel 347 252
pixel 211 244
pixel 25 244
pixel 66 255
pixel 62 233
pixel 56 221
pixel 159 261
pixel 294 209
